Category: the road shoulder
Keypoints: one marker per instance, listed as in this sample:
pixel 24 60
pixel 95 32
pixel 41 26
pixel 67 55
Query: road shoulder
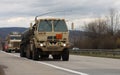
pixel 1 70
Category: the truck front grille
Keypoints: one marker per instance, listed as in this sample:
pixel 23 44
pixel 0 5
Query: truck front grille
pixel 16 44
pixel 51 37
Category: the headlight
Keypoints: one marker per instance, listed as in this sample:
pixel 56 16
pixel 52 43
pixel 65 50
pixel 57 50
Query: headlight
pixel 41 45
pixel 10 45
pixel 64 45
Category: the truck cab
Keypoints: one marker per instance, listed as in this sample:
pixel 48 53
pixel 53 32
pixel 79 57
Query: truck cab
pixel 12 42
pixel 47 36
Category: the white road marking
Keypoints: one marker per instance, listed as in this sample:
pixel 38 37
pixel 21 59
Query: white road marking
pixel 54 66
pixel 64 69
pixel 10 54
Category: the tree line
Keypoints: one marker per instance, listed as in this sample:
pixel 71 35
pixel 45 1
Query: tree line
pixel 102 33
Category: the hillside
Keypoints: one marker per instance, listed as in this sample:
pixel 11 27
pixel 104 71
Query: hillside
pixel 5 31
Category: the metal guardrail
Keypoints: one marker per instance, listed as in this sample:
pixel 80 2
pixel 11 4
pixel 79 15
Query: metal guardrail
pixel 98 52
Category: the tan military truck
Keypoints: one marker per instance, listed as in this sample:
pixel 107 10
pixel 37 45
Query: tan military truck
pixel 12 42
pixel 48 36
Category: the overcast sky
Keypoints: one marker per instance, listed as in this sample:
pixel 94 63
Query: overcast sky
pixel 19 13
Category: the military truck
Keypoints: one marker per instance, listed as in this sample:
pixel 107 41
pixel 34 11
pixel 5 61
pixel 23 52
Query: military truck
pixel 12 42
pixel 47 36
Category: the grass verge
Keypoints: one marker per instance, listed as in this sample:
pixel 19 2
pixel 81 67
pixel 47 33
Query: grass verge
pixel 97 54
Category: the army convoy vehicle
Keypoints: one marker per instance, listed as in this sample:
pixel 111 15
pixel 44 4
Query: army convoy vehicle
pixel 48 36
pixel 12 42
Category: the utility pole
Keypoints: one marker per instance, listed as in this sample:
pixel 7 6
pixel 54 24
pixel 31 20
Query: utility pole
pixel 72 26
pixel 112 14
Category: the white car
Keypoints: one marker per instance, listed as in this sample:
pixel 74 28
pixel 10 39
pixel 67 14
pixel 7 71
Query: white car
pixel 75 48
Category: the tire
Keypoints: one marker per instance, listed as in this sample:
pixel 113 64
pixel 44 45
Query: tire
pixel 58 57
pixel 28 52
pixel 9 51
pixel 35 54
pixel 17 51
pixel 44 56
pixel 22 53
pixel 65 55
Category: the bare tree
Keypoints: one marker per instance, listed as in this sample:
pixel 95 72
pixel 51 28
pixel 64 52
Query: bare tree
pixel 102 32
pixel 97 27
pixel 99 32
pixel 113 20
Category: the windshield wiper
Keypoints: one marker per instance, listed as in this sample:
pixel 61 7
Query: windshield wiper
pixel 56 23
pixel 48 23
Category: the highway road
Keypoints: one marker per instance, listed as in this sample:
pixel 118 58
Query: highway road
pixel 12 64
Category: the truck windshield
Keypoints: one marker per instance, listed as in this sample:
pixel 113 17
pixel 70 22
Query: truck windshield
pixel 15 37
pixel 45 25
pixel 60 26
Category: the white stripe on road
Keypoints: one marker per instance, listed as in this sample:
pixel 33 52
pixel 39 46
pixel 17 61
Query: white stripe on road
pixel 64 69
pixel 54 66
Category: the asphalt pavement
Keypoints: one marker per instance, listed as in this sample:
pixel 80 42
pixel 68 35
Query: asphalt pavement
pixel 13 64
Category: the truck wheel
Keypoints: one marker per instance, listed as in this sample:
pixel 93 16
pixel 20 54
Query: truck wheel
pixel 44 56
pixel 56 57
pixel 35 53
pixel 6 50
pixel 28 53
pixel 22 53
pixel 9 51
pixel 65 55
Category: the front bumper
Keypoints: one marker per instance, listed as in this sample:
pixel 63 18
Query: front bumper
pixel 53 48
pixel 14 48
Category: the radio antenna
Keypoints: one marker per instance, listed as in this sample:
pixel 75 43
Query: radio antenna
pixel 49 13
